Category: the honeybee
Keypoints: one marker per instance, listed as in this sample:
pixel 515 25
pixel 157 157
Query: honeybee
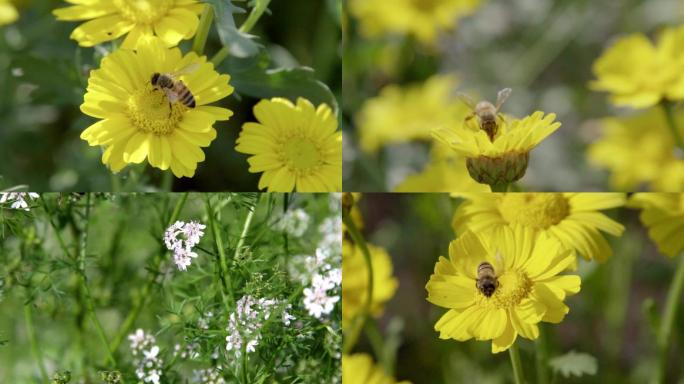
pixel 486 279
pixel 486 112
pixel 176 90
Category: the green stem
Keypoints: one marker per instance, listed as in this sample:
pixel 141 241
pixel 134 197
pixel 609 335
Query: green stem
pixel 542 357
pixel 499 187
pixel 145 293
pixel 672 123
pixel 254 16
pixel 245 231
pixel 665 334
pixel 286 203
pixel 167 181
pixel 220 56
pixel 206 20
pixel 377 342
pixel 28 318
pixel 220 250
pixel 517 364
pixel 360 242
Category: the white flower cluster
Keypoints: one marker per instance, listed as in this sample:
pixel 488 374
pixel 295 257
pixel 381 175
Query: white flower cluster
pixel 146 356
pixel 203 321
pixel 18 200
pixel 180 238
pixel 318 300
pixel 191 351
pixel 293 222
pixel 208 376
pixel 244 325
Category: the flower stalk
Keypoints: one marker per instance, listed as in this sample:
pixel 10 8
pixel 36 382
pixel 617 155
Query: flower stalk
pixel 205 23
pixel 35 350
pixel 516 363
pixel 665 333
pixel 542 357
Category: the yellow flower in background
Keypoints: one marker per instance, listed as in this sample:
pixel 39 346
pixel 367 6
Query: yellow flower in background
pixel 170 20
pixel 572 218
pixel 504 159
pixel 424 19
pixel 297 147
pixel 638 73
pixel 663 215
pixel 529 288
pixel 8 13
pixel 446 172
pixel 360 369
pixel 355 281
pixel 137 120
pixel 639 150
pixel 403 114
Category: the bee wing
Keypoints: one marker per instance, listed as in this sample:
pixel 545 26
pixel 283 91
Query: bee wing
pixel 502 96
pixel 498 262
pixel 171 95
pixel 185 70
pixel 466 100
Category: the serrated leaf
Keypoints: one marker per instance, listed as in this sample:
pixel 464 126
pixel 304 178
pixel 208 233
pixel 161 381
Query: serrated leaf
pixel 240 44
pixel 574 364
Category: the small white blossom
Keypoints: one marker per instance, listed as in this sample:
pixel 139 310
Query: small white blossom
pixel 208 376
pixel 294 222
pixel 18 200
pixel 317 301
pixel 147 360
pixel 180 238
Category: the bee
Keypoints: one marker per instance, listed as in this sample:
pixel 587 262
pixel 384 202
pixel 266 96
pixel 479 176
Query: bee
pixel 487 112
pixel 486 279
pixel 176 90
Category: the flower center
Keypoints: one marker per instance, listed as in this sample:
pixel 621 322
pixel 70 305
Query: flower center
pixel 513 287
pixel 534 210
pixel 143 11
pixel 150 111
pixel 301 155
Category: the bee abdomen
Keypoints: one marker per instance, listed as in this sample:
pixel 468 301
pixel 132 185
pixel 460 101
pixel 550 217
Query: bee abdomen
pixel 188 99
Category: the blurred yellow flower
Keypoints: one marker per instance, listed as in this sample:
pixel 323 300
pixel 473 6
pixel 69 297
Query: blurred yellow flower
pixel 139 122
pixel 640 150
pixel 8 13
pixel 504 159
pixel 359 369
pixel 638 73
pixel 572 218
pixel 529 288
pixel 402 114
pixel 355 281
pixel 170 20
pixel 297 147
pixel 424 19
pixel 663 215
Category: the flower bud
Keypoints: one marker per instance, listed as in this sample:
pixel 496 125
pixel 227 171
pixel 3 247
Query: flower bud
pixel 501 170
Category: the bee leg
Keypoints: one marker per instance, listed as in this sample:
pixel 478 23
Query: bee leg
pixel 469 117
pixel 170 110
pixel 501 116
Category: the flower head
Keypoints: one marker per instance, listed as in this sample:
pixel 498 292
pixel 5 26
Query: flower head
pixel 360 369
pixel 502 160
pixel 640 74
pixel 18 200
pixel 572 218
pixel 656 163
pixel 139 122
pixel 8 13
pixel 529 288
pixel 317 299
pixel 170 20
pixel 663 215
pixel 146 353
pixel 423 19
pixel 180 238
pixel 246 323
pixel 296 146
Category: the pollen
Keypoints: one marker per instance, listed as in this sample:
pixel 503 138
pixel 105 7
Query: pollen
pixel 143 11
pixel 150 111
pixel 300 154
pixel 534 210
pixel 513 287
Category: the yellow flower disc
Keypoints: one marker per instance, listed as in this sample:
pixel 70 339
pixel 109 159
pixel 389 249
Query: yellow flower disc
pixel 530 289
pixel 139 122
pixel 170 20
pixel 8 13
pixel 572 218
pixel 297 147
pixel 663 215
pixel 360 369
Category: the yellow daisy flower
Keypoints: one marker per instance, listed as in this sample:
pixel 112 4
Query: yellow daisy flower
pixel 503 160
pixel 137 119
pixel 297 147
pixel 355 281
pixel 529 288
pixel 572 218
pixel 403 114
pixel 638 73
pixel 639 150
pixel 360 369
pixel 424 19
pixel 8 13
pixel 663 215
pixel 170 20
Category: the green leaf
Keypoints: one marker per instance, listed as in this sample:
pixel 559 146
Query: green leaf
pixel 240 44
pixel 574 364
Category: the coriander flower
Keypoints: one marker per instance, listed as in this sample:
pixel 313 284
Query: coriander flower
pixel 529 288
pixel 574 219
pixel 170 20
pixel 296 146
pixel 663 215
pixel 137 122
pixel 294 222
pixel 146 357
pixel 246 323
pixel 317 300
pixel 180 238
pixel 8 13
pixel 18 200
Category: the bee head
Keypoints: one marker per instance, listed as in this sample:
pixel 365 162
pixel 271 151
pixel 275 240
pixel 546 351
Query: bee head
pixel 488 288
pixel 155 78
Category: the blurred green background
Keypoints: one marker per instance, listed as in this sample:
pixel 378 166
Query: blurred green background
pixel 606 319
pixel 43 75
pixel 542 49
